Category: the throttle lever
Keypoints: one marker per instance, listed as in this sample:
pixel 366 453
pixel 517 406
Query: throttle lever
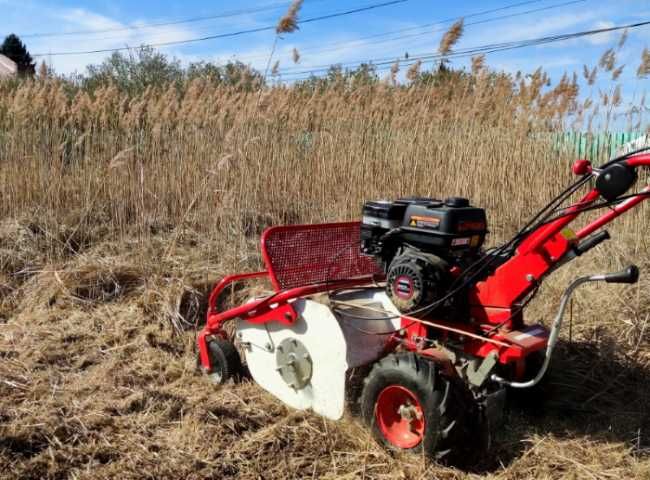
pixel 627 275
pixel 591 242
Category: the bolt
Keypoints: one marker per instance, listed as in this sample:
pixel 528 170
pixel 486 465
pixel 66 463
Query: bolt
pixel 409 412
pixel 269 347
pixel 530 277
pixel 288 316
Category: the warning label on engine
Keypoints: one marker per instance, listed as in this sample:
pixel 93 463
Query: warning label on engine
pixel 424 222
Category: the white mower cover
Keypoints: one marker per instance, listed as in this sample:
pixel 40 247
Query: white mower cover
pixel 333 344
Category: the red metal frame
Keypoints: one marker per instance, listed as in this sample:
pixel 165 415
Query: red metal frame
pixel 495 301
pixel 538 254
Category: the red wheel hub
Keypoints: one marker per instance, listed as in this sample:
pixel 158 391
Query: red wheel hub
pixel 399 415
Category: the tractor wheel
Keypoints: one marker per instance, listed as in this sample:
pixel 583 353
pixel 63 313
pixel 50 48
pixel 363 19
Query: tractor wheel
pixel 410 406
pixel 225 361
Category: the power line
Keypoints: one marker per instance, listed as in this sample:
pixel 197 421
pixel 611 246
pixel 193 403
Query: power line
pixel 358 41
pixel 230 34
pixel 233 13
pixel 380 64
pixel 469 51
pixel 402 37
pixel 361 40
pixel 154 36
pixel 438 22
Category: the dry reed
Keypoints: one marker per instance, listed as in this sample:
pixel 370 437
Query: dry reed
pixel 451 37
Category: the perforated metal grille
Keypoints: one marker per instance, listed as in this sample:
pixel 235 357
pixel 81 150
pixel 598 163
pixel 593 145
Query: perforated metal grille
pixel 298 255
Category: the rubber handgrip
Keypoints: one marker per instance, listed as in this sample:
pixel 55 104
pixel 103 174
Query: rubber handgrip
pixel 628 275
pixel 592 242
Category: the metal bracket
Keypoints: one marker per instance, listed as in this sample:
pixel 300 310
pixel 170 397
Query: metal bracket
pixel 477 374
pixel 294 363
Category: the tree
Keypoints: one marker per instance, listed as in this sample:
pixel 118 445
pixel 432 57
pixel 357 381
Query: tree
pixel 145 67
pixel 15 49
pixel 234 74
pixel 362 76
pixel 135 71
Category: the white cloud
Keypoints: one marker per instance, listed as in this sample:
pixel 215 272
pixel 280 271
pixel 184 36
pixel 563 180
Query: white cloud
pixel 601 38
pixel 80 19
pixel 529 64
pixel 22 19
pixel 86 19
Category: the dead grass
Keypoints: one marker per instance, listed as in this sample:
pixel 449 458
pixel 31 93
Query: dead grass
pixel 104 386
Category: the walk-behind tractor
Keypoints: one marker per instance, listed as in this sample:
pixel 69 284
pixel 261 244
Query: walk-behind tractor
pixel 410 296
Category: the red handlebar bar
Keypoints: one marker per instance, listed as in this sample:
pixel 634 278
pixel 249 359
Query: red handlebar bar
pixel 540 252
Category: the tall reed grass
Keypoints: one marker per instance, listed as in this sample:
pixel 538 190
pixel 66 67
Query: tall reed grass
pixel 214 157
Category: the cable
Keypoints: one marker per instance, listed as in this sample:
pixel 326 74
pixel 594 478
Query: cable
pixel 154 36
pixel 360 42
pixel 596 206
pixel 230 34
pixel 556 210
pixel 624 156
pixel 537 221
pixel 234 13
pixel 483 49
pixel 480 49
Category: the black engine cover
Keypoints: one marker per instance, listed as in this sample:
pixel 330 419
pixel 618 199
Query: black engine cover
pixel 415 280
pixel 443 228
pixel 417 242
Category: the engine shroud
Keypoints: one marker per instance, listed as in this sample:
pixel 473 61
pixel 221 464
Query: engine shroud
pixel 432 225
pixel 415 279
pixel 418 241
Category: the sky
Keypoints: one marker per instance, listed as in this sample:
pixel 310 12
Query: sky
pixel 418 27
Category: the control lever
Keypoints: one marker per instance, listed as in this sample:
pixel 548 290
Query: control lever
pixel 591 242
pixel 628 275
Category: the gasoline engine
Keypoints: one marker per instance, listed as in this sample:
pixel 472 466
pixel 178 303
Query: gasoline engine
pixel 420 243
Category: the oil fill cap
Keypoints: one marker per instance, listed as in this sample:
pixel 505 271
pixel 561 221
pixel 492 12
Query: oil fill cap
pixel 457 202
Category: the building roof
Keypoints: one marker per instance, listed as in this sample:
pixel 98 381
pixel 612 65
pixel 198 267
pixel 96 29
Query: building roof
pixel 7 66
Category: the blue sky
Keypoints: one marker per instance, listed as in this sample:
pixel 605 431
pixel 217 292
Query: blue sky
pixel 334 40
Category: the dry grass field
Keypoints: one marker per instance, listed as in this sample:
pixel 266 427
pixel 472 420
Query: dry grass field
pixel 119 212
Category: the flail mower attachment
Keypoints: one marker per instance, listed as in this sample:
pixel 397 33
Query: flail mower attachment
pixel 410 294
